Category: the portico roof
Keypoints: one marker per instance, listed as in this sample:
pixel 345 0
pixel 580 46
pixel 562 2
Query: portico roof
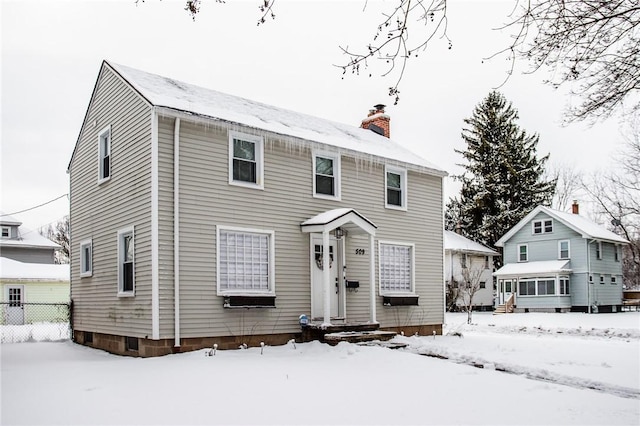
pixel 534 268
pixel 345 218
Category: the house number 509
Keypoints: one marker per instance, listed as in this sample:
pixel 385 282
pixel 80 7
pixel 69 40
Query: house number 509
pixel 360 252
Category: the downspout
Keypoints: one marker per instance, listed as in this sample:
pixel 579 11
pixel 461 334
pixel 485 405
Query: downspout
pixel 589 276
pixel 155 239
pixel 326 277
pixel 372 280
pixel 176 232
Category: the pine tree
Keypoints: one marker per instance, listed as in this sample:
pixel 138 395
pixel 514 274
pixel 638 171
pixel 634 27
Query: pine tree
pixel 503 179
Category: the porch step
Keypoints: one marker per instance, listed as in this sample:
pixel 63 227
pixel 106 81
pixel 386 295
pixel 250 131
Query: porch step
pixel 502 309
pixel 316 331
pixel 358 336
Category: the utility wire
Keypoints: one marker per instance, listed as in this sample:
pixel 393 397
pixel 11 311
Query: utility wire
pixel 35 207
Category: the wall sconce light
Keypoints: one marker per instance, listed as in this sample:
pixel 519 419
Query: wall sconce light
pixel 339 233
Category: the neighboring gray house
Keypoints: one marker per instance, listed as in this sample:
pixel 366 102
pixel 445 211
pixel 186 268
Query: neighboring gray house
pixel 24 245
pixel 557 261
pixel 199 218
pixel 464 258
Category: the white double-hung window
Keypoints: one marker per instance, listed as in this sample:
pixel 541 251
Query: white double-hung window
pixel 326 175
pixel 395 188
pixel 86 258
pixel 104 154
pixel 245 261
pixel 246 160
pixel 126 265
pixel 396 272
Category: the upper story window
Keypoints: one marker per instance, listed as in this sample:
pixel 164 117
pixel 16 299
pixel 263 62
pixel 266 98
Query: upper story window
pixel 246 160
pixel 463 260
pixel 104 154
pixel 614 281
pixel 618 254
pixel 487 262
pixel 601 279
pixel 396 267
pixel 6 232
pixel 86 258
pixel 396 188
pixel 326 175
pixel 126 265
pixel 245 261
pixel 523 252
pixel 542 226
pixel 599 250
pixel 563 249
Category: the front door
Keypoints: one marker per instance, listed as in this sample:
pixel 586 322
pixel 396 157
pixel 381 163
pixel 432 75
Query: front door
pixel 505 290
pixel 15 308
pixel 317 286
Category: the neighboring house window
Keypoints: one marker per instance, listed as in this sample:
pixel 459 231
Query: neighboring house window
pixel 546 287
pixel 126 259
pixel 483 284
pixel 463 260
pixel 326 175
pixel 543 226
pixel 86 253
pixel 614 281
pixel 563 249
pixel 396 267
pixel 486 262
pixel 564 285
pixel 527 288
pixel 245 261
pixel 617 253
pixel 104 154
pixel 246 162
pixel 601 279
pixel 590 279
pixel 599 250
pixel 523 252
pixel 6 232
pixel 396 188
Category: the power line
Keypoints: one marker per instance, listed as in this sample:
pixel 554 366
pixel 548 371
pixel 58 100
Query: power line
pixel 35 207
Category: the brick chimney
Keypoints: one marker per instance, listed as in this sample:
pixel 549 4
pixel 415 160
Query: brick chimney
pixel 575 208
pixel 377 121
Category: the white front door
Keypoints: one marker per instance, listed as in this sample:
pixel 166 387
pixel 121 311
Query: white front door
pixel 15 308
pixel 317 286
pixel 505 290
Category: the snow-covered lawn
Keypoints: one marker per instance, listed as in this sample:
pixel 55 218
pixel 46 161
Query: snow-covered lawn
pixel 535 369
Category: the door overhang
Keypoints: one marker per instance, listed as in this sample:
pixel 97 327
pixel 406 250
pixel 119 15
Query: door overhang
pixel 345 218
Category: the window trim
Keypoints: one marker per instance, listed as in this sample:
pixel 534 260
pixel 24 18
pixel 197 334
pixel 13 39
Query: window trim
pixel 618 253
pixel 412 261
pixel 101 178
pixel 121 234
pixel 5 228
pixel 543 229
pixel 259 152
pixel 526 253
pixel 561 287
pixel 271 292
pixel 337 175
pixel 404 180
pixel 86 272
pixel 599 249
pixel 568 257
pixel 536 286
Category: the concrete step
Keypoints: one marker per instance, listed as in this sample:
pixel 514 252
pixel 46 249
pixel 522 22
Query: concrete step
pixel 358 336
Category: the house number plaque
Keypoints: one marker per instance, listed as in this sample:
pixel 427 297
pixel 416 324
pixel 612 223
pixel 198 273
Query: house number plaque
pixel 360 252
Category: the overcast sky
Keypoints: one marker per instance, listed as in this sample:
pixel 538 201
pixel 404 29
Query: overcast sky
pixel 52 51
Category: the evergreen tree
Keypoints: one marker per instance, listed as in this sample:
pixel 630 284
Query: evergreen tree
pixel 503 179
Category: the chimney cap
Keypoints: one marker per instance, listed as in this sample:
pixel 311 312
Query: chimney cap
pixel 379 107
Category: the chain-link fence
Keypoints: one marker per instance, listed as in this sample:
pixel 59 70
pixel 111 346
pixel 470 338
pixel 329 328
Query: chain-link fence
pixel 35 322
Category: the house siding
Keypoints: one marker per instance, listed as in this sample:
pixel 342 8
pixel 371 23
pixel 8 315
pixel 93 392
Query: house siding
pixel 98 211
pixel 28 255
pixel 207 201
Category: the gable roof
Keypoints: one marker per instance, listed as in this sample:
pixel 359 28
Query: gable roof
pixel 8 220
pixel 580 224
pixel 13 269
pixel 456 242
pixel 163 92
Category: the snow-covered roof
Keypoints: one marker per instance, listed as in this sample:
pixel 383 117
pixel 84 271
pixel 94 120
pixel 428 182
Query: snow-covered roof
pixel 347 218
pixel 534 268
pixel 580 224
pixel 6 219
pixel 456 242
pixel 13 269
pixel 176 95
pixel 28 239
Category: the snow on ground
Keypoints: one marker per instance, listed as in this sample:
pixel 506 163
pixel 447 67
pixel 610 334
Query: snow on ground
pixel 558 369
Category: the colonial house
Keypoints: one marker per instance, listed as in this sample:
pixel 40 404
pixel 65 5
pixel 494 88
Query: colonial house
pixel 28 274
pixel 467 261
pixel 557 261
pixel 201 218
